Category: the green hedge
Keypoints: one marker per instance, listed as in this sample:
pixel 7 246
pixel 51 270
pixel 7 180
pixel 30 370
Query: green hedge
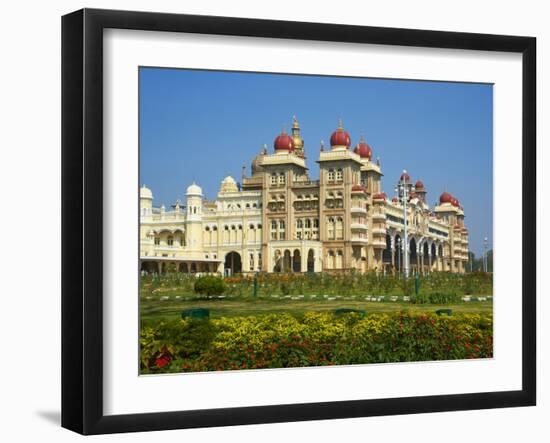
pixel 314 339
pixel 209 285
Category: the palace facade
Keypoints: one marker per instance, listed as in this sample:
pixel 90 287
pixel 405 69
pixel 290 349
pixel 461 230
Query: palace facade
pixel 277 219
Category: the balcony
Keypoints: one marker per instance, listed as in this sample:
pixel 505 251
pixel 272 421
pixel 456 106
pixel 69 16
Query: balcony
pixel 379 231
pixel 379 243
pixel 360 240
pixel 358 210
pixel 358 227
pixel 379 217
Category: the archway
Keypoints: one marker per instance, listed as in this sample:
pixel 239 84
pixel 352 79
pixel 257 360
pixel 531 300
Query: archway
pixel 311 261
pixel 184 268
pixel 387 253
pixel 233 263
pixel 425 257
pixel 287 261
pixel 149 267
pixel 296 261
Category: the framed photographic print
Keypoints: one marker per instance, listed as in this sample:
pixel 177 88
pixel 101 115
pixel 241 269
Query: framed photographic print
pixel 269 221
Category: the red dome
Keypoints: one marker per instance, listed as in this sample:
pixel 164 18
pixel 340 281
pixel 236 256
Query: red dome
pixel 356 188
pixel 455 202
pixel 405 177
pixel 395 199
pixel 363 150
pixel 283 142
pixel 380 196
pixel 419 185
pixel 340 138
pixel 445 198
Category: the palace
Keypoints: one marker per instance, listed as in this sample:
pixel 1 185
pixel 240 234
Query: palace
pixel 280 220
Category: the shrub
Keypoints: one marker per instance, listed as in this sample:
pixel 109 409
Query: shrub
pixel 313 339
pixel 209 285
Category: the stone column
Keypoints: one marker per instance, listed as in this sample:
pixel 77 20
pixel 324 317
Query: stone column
pixel 303 258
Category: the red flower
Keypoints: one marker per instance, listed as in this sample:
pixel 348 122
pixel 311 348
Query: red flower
pixel 163 360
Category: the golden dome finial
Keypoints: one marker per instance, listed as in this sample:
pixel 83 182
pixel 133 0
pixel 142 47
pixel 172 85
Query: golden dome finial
pixel 295 123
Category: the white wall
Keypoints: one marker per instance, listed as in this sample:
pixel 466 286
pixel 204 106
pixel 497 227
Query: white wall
pixel 30 180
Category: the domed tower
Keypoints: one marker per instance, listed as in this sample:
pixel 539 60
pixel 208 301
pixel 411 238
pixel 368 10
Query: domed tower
pixel 297 138
pixel 340 139
pixel 363 150
pixel 145 203
pixel 420 190
pixel 283 143
pixel 194 218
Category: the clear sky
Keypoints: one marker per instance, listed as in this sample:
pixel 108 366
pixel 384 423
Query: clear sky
pixel 202 126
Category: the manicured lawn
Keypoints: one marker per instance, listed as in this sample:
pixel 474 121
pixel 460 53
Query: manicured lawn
pixel 155 309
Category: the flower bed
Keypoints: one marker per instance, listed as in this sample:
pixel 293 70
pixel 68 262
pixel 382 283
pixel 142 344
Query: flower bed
pixel 343 284
pixel 314 339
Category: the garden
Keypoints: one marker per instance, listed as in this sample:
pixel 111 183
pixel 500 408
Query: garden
pixel 297 320
pixel 312 339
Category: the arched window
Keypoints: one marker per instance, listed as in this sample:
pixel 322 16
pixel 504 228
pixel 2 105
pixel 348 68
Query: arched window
pixel 330 175
pixel 282 178
pixel 273 178
pixel 308 223
pixel 339 175
pixel 170 241
pixel 299 223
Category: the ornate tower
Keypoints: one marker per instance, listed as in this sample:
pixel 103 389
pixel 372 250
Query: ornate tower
pixel 297 139
pixel 145 203
pixel 339 172
pixel 194 219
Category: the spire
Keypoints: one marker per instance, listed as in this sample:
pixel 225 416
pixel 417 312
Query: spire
pixel 340 124
pixel 322 148
pixel 297 138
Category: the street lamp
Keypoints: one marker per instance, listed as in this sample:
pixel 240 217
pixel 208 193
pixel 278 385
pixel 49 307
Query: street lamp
pixel 403 189
pixel 399 256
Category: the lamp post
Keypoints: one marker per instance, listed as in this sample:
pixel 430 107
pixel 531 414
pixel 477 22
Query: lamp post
pixel 399 256
pixel 402 189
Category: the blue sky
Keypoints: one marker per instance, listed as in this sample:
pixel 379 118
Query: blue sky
pixel 202 126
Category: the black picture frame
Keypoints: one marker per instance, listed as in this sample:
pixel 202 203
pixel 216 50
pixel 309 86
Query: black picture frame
pixel 82 218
